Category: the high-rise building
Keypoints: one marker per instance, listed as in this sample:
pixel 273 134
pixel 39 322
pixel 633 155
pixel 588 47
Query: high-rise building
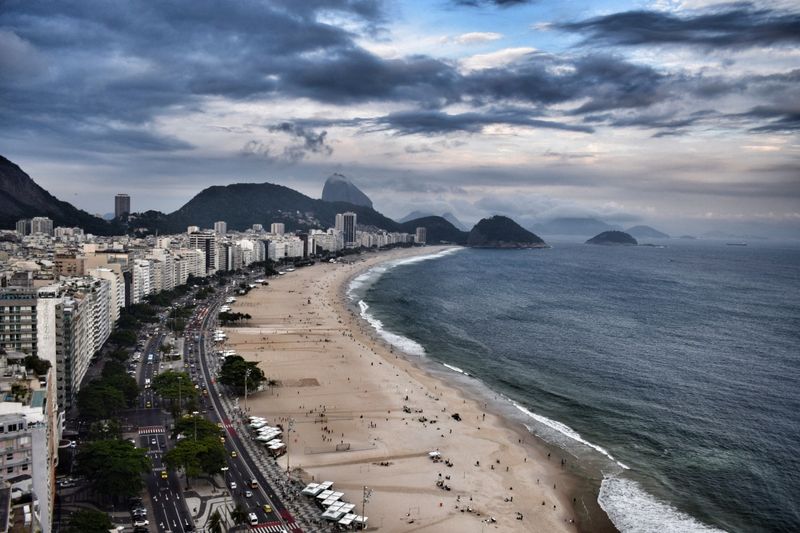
pixel 421 236
pixel 348 229
pixel 24 226
pixel 277 228
pixel 221 228
pixel 41 225
pixel 206 242
pixel 122 205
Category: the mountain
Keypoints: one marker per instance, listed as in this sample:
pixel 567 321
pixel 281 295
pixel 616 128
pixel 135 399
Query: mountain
pixel 450 217
pixel 502 232
pixel 573 226
pixel 613 238
pixel 438 230
pixel 338 188
pixel 21 197
pixel 646 232
pixel 413 215
pixel 243 204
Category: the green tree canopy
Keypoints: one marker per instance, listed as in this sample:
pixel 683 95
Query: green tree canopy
pixel 113 467
pixel 99 400
pixel 195 457
pixel 233 372
pixel 89 521
pixel 188 425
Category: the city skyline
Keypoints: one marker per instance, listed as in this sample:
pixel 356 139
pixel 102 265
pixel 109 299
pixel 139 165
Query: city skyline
pixel 675 114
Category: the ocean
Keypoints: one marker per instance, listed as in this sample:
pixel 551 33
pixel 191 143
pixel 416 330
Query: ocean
pixel 673 372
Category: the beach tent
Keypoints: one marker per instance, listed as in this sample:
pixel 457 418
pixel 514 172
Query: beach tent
pixel 324 495
pixel 310 489
pixel 334 513
pixel 347 519
pixel 333 498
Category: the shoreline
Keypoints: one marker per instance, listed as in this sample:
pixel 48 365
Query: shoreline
pixel 397 442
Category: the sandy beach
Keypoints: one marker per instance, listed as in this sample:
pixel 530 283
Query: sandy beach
pixel 365 415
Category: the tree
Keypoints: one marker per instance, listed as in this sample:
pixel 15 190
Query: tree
pixel 39 366
pixel 174 386
pixel 233 372
pixel 113 467
pixel 123 337
pixel 215 522
pixel 99 400
pixel 110 429
pixel 89 521
pixel 239 514
pixel 195 457
pixel 189 426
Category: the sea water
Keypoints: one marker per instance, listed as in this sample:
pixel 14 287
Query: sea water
pixel 674 371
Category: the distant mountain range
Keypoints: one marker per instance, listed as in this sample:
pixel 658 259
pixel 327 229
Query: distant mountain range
pixel 578 226
pixel 450 217
pixel 646 232
pixel 21 197
pixel 338 188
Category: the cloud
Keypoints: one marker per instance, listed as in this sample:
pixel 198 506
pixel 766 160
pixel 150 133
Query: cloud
pixel 437 122
pixel 499 58
pixel 496 3
pixel 477 37
pixel 740 25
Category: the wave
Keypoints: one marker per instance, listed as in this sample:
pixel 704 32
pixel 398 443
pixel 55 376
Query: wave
pixel 568 432
pixel 373 274
pixel 456 369
pixel 632 509
pixel 404 344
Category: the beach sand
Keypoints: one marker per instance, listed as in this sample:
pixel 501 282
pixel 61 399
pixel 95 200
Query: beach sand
pixel 345 389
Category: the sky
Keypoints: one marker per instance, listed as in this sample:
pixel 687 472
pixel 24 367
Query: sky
pixel 681 114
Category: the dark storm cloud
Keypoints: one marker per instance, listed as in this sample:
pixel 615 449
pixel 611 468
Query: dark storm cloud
pixel 312 141
pixel 731 26
pixel 437 122
pixel 498 3
pixel 92 75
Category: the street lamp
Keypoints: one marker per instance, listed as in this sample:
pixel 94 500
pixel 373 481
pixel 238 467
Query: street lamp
pixel 224 470
pixel 246 377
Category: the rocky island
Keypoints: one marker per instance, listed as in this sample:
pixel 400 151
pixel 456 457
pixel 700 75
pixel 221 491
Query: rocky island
pixel 502 232
pixel 613 238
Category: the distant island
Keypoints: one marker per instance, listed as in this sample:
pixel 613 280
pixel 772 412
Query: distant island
pixel 502 232
pixel 613 238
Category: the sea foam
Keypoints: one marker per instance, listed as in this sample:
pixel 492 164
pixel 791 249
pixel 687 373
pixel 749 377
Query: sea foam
pixel 567 431
pixel 632 509
pixel 404 344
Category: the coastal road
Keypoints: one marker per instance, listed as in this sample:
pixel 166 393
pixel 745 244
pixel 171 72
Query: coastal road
pixel 242 469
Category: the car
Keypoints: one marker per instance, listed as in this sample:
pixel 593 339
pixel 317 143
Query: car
pixel 233 453
pixel 233 485
pixel 267 508
pixel 248 494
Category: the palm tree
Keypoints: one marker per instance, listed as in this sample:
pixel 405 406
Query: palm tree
pixel 215 522
pixel 239 515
